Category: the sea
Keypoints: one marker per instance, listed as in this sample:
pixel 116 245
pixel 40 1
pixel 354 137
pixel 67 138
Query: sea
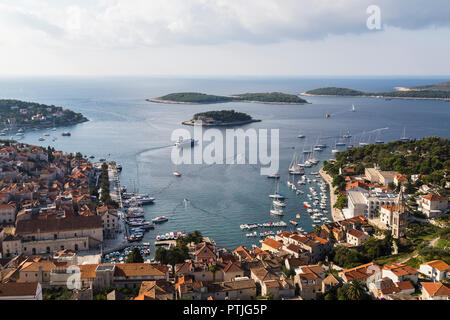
pixel 216 199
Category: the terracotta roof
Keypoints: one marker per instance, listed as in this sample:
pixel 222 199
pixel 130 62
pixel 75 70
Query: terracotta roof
pixel 272 243
pixel 359 272
pixel 15 289
pixel 436 288
pixel 356 233
pixel 401 269
pixel 438 264
pixel 405 285
pixel 434 197
pixel 263 275
pixel 50 225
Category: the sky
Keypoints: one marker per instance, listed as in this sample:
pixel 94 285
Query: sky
pixel 224 37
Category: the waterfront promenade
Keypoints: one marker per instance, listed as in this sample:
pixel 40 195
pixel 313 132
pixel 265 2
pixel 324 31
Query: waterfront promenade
pixel 336 214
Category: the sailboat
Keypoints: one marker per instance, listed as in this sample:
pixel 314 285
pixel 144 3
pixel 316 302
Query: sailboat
pixel 347 135
pixel 404 137
pixel 294 168
pixel 379 139
pixel 335 150
pixel 276 211
pixel 277 195
pixel 361 142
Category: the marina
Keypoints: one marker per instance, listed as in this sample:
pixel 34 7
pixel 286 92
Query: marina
pixel 222 197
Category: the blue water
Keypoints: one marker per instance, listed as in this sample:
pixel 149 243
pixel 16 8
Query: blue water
pixel 125 128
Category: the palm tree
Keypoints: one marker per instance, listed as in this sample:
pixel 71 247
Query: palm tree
pixel 355 290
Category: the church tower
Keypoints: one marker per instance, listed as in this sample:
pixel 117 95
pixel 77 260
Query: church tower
pixel 399 217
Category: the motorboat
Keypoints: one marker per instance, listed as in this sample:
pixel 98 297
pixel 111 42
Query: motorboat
pixel 177 173
pixel 279 203
pixel 180 143
pixel 160 219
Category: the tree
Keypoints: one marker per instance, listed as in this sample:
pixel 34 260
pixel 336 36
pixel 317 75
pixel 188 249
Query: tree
pixel 161 255
pixel 354 290
pixel 135 256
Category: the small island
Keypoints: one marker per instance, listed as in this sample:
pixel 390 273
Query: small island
pixel 439 91
pixel 221 118
pixel 202 98
pixel 31 115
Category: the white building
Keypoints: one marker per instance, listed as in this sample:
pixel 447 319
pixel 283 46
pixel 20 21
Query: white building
pixel 437 270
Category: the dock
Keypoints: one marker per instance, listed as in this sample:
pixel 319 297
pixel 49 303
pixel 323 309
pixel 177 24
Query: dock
pixel 169 243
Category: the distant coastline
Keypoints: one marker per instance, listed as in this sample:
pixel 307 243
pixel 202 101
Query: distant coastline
pixel 439 91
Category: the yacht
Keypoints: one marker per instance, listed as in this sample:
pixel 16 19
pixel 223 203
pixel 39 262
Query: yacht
pixel 279 203
pixel 404 138
pixel 293 222
pixel 294 168
pixel 177 173
pixel 301 136
pixel 274 176
pixel 160 219
pixel 277 212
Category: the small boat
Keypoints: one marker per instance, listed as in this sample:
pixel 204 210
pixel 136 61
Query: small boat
pixel 119 167
pixel 353 108
pixel 53 129
pixel 65 134
pixel 160 219
pixel 327 115
pixel 297 216
pixel 184 143
pixel 277 212
pixel 102 159
pixel 293 222
pixel 46 134
pixel 177 173
pixel 274 176
pixel 300 136
pixel 279 203
pixel 41 139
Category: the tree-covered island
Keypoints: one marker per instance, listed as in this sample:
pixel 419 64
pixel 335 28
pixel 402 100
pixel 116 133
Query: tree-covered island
pixel 221 118
pixel 439 91
pixel 16 114
pixel 201 98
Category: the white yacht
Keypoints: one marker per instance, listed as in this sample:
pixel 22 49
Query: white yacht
pixel 294 168
pixel 177 173
pixel 279 203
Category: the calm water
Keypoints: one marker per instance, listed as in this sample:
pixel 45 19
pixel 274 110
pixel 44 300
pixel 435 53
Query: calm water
pixel 125 128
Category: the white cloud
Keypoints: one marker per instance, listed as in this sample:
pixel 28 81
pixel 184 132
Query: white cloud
pixel 197 22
